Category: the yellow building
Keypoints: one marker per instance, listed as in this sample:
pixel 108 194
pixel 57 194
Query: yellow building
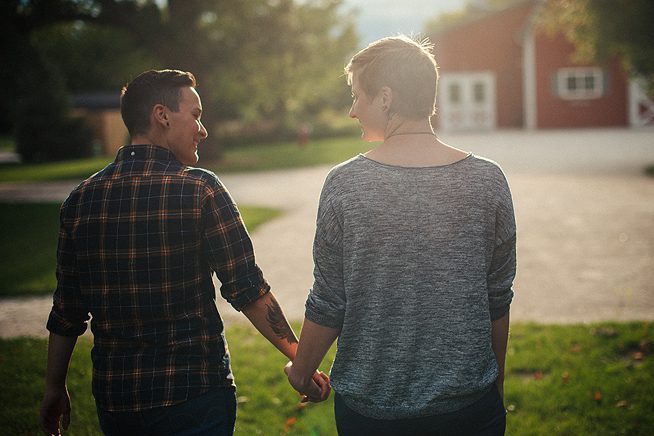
pixel 102 115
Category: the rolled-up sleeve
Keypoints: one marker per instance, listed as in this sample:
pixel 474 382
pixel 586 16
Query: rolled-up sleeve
pixel 69 315
pixel 229 249
pixel 326 302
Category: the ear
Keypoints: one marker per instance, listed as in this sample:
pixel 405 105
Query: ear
pixel 159 115
pixel 386 98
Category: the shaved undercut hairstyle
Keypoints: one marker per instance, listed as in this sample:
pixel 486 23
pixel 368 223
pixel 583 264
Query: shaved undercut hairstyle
pixel 138 97
pixel 406 66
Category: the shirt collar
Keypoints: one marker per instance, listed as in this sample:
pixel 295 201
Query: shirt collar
pixel 144 152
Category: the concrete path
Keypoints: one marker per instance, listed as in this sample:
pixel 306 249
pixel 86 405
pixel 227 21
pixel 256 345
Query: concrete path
pixel 584 209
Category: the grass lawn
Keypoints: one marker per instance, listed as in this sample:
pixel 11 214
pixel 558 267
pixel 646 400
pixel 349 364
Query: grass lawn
pixel 255 157
pixel 7 143
pixel 561 380
pixel 28 245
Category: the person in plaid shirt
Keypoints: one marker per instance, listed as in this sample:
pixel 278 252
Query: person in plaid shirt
pixel 138 244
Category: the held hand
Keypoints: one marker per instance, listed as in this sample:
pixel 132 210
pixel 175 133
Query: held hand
pixel 316 389
pixel 55 406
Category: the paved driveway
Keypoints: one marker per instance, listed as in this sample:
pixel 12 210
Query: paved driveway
pixel 584 210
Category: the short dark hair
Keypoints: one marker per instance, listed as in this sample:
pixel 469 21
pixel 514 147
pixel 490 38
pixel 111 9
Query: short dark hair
pixel 149 88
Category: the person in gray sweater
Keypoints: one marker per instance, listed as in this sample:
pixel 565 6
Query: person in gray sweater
pixel 414 263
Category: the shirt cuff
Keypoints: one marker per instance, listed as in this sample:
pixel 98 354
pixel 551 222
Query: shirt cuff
pixel 59 325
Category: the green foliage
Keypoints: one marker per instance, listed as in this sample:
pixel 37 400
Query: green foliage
pixel 276 61
pixel 600 29
pixel 33 98
pixel 93 58
pixel 473 10
pixel 563 380
pixel 28 245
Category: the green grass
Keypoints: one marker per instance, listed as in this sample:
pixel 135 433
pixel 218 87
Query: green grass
pixel 28 245
pixel 561 380
pixel 43 172
pixel 245 158
pixel 7 143
pixel 289 155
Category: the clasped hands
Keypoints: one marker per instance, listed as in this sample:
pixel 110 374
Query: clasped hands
pixel 315 388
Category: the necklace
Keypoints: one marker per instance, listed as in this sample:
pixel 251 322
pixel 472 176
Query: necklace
pixel 410 133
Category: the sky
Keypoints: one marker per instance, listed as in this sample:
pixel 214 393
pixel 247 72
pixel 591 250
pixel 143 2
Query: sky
pixel 379 18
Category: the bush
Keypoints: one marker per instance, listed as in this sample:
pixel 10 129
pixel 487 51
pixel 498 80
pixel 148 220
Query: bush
pixel 40 139
pixel 44 129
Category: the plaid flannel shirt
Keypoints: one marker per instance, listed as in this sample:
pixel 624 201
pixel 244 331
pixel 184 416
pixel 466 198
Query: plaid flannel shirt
pixel 138 243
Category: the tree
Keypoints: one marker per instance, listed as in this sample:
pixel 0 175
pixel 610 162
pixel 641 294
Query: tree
pixel 472 10
pixel 600 29
pixel 254 59
pixel 33 99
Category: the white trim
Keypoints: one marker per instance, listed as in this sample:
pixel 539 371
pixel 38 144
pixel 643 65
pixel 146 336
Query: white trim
pixel 637 98
pixel 529 93
pixel 468 112
pixel 529 97
pixel 579 76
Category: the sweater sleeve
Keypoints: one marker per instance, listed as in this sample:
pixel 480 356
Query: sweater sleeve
pixel 326 302
pixel 503 262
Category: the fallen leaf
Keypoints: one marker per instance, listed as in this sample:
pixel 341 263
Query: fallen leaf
pixel 538 375
pixel 301 406
pixel 621 404
pixel 597 396
pixel 290 422
pixel 638 355
pixel 510 408
pixel 575 349
pixel 566 377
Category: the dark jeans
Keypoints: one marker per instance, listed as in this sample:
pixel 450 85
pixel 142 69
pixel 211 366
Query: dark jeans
pixel 213 413
pixel 486 417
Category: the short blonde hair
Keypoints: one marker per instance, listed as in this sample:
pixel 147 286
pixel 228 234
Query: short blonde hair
pixel 406 66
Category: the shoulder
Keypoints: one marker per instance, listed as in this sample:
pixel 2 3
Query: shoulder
pixel 487 169
pixel 343 173
pixel 201 175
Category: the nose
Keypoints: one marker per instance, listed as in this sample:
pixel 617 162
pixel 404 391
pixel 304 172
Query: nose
pixel 203 131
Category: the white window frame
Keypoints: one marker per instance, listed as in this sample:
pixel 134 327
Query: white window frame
pixel 579 74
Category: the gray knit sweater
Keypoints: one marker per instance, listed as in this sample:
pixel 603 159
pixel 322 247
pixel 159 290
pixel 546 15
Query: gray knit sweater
pixel 412 264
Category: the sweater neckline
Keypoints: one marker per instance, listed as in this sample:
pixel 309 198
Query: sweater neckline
pixel 399 167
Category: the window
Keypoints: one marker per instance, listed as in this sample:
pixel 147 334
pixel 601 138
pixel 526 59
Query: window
pixel 455 93
pixel 580 83
pixel 479 92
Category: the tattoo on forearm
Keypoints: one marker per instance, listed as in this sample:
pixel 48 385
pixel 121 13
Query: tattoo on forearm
pixel 278 322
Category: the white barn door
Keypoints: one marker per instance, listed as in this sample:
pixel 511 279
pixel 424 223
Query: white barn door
pixel 641 105
pixel 467 101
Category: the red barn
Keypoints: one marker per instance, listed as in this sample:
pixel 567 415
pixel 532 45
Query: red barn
pixel 499 71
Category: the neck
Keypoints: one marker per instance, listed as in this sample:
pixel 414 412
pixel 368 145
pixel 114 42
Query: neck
pixel 403 127
pixel 147 138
